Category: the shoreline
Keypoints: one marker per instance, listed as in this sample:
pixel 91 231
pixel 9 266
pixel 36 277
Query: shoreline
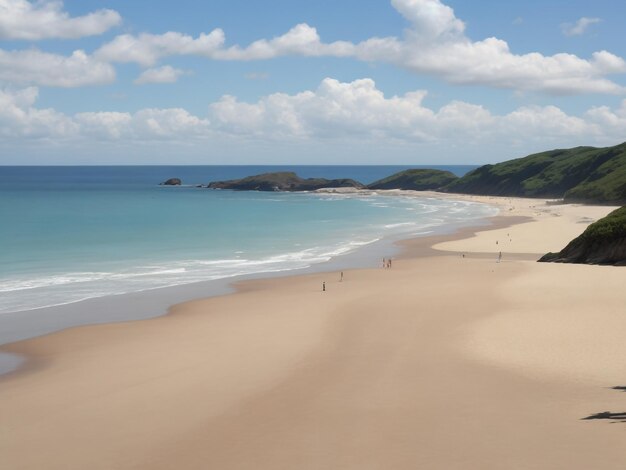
pixel 389 368
pixel 288 243
pixel 152 303
pixel 402 248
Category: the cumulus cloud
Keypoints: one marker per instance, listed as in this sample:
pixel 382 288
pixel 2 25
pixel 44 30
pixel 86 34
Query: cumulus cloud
pixel 147 49
pixel 580 27
pixel 21 19
pixel 360 110
pixel 435 44
pixel 19 117
pixel 165 74
pixel 172 124
pixel 431 19
pixel 301 40
pixel 335 109
pixel 335 112
pixel 35 67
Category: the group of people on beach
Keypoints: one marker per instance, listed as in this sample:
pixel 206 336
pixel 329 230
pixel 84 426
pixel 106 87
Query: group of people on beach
pixel 386 264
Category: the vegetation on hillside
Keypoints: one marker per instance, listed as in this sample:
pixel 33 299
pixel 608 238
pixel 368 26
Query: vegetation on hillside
pixel 581 174
pixel 416 179
pixel 603 242
pixel 283 181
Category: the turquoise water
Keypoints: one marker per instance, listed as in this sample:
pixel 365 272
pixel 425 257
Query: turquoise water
pixel 73 233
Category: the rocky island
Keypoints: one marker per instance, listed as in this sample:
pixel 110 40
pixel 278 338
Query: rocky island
pixel 284 181
pixel 172 182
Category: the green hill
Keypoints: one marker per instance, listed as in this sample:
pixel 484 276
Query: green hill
pixel 418 180
pixel 283 181
pixel 581 174
pixel 603 242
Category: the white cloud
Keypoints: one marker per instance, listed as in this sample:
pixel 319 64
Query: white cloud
pixel 21 19
pixel 430 19
pixel 165 74
pixel 334 110
pixel 580 27
pixel 434 44
pixel 18 117
pixel 171 124
pixel 147 49
pixel 32 66
pixel 336 113
pixel 359 110
pixel 301 40
pixel 606 118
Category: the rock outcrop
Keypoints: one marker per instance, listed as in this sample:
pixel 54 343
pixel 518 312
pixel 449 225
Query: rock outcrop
pixel 283 181
pixel 172 182
pixel 603 242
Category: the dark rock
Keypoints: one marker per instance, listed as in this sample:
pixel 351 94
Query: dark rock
pixel 283 181
pixel 172 182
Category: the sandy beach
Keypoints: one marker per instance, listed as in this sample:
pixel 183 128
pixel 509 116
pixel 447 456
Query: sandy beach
pixel 447 360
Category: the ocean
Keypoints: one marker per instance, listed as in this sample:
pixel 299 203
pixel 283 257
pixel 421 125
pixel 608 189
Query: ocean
pixel 75 233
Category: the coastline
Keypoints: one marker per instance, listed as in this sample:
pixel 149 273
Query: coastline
pixel 150 303
pixel 390 368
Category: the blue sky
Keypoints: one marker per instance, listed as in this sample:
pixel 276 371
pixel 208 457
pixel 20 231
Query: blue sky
pixel 325 82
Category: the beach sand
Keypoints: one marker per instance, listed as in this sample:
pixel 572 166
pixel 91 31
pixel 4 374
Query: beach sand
pixel 443 361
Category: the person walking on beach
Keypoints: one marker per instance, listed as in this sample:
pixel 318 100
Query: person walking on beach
pixel 499 257
pixel 341 277
pixel 324 286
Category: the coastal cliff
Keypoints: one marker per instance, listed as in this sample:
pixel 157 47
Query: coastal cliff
pixel 603 242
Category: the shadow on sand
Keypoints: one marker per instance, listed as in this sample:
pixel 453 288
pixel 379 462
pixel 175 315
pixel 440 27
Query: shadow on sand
pixel 613 417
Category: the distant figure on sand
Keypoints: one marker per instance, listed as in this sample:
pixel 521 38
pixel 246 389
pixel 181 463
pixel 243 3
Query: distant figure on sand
pixel 384 263
pixel 341 277
pixel 323 286
pixel 499 257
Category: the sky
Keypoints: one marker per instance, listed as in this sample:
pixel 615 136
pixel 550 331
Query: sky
pixel 411 82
